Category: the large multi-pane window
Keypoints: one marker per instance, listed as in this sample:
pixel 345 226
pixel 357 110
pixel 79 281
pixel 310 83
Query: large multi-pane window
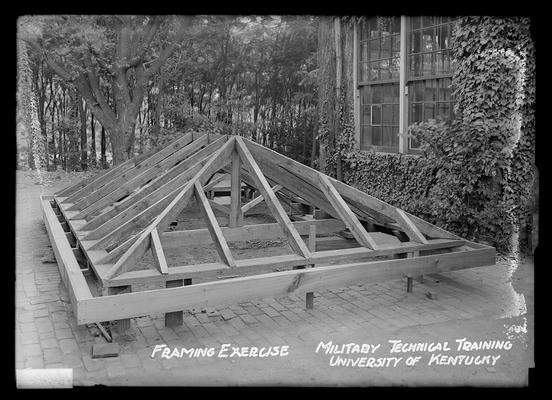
pixel 429 70
pixel 380 117
pixel 427 77
pixel 379 77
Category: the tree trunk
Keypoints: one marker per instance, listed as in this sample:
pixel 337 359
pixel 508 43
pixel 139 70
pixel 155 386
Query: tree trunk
pixel 83 136
pixel 103 159
pixel 93 161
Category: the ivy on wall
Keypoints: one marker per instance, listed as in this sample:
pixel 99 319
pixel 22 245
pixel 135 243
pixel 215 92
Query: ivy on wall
pixel 475 176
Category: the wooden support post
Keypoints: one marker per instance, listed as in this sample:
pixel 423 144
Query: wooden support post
pixel 409 284
pixel 174 318
pixel 312 238
pixel 310 300
pixel 122 324
pixel 236 215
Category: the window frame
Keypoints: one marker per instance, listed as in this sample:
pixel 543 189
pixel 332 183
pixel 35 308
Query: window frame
pixel 404 81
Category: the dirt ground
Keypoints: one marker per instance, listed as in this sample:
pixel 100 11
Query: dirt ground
pixel 489 303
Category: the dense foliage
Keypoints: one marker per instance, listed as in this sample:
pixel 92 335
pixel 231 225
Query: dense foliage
pixel 141 80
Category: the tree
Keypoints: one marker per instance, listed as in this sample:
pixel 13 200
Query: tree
pixel 119 54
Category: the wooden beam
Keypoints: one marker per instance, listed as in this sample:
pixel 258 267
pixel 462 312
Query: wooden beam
pixel 213 226
pixel 158 253
pixel 224 292
pixel 195 237
pixel 273 204
pixel 128 187
pixel 259 199
pixel 348 217
pixel 68 266
pixel 268 264
pixel 173 178
pixel 236 216
pixel 410 229
pixel 120 178
pixel 214 182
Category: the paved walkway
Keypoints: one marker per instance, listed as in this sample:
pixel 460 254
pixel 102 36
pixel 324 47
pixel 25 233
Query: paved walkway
pixel 489 303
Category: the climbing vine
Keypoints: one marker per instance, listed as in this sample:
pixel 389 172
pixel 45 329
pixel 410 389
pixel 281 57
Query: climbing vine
pixel 476 173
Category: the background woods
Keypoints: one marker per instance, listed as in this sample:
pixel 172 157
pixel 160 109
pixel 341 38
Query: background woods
pixel 103 88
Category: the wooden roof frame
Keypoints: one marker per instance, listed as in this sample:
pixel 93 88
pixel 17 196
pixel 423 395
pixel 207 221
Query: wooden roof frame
pixel 118 215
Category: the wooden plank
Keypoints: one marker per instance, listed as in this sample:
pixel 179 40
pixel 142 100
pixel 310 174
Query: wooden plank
pixel 148 174
pixel 270 198
pixel 379 208
pixel 133 178
pixel 213 226
pixel 307 175
pixel 410 229
pixel 224 292
pixel 268 264
pixel 158 253
pixel 193 237
pixel 168 180
pixel 235 217
pixel 116 176
pixel 348 217
pixel 68 266
pixel 259 199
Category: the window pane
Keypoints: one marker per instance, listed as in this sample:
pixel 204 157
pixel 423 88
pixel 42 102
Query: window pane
pixel 376 94
pixel 427 21
pixel 416 92
pixel 447 66
pixel 396 93
pixel 427 40
pixel 394 67
pixel 366 115
pixel 387 110
pixel 387 91
pixel 444 37
pixel 430 90
pixel 444 111
pixel 396 25
pixel 439 66
pixel 415 65
pixel 376 115
pixel 375 46
pixel 414 144
pixel 374 71
pixel 387 136
pixel 429 111
pixel 415 39
pixel 416 115
pixel 376 136
pixel 386 47
pixel 363 52
pixel 364 72
pixel 396 40
pixel 415 21
pixel 366 135
pixel 385 72
pixel 395 136
pixel 396 114
pixel 365 95
pixel 428 64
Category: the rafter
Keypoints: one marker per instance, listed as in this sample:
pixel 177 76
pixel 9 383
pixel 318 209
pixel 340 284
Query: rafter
pixel 274 205
pixel 213 226
pixel 259 199
pixel 347 216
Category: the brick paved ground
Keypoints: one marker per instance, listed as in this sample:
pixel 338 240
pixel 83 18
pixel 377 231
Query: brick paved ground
pixel 475 303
